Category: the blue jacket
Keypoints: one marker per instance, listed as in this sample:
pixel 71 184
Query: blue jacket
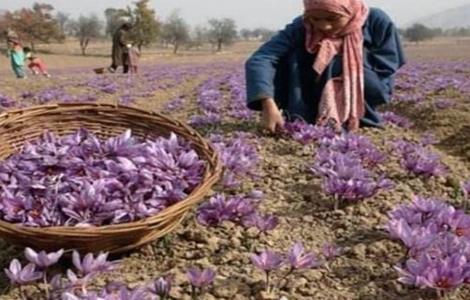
pixel 282 69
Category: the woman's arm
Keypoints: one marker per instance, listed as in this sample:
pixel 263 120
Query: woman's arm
pixel 261 66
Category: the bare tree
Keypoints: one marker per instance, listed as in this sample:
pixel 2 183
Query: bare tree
pixel 175 31
pixel 87 28
pixel 222 32
pixel 62 19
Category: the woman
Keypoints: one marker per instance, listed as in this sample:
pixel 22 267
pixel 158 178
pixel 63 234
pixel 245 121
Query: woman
pixel 333 65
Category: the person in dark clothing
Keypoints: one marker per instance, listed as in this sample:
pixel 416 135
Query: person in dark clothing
pixel 121 44
pixel 332 66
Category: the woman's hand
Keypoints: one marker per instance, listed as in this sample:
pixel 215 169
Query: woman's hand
pixel 271 115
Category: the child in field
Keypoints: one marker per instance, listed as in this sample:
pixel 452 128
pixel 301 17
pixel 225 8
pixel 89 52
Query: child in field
pixel 134 56
pixel 16 54
pixel 36 65
pixel 334 64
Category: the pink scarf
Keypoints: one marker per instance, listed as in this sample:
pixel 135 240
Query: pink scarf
pixel 342 100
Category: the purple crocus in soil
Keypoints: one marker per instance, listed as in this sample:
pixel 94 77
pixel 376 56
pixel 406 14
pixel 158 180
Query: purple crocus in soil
pixel 267 260
pixel 305 133
pixel 200 278
pixel 331 251
pixel 416 159
pixel 299 259
pixel 90 264
pixel 428 138
pixel 161 287
pixel 19 275
pixel 397 120
pixel 263 223
pixel 42 259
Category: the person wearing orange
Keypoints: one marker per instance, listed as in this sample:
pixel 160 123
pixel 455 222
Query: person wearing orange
pixel 36 64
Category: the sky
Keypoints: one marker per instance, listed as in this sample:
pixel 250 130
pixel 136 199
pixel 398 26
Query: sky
pixel 273 14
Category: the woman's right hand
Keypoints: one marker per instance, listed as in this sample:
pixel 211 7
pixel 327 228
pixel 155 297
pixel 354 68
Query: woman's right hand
pixel 272 118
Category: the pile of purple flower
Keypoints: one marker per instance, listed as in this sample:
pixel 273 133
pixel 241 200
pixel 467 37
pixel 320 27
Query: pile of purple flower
pixel 437 237
pixel 239 158
pixel 419 160
pixel 80 180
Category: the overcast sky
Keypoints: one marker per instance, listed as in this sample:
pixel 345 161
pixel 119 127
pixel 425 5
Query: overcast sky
pixel 272 14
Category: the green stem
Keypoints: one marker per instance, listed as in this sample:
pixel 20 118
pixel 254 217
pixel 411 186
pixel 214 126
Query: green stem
pixel 22 295
pixel 267 282
pixel 291 270
pixel 336 206
pixel 46 285
pixel 193 293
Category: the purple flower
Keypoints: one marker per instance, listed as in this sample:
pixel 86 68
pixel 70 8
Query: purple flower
pixel 260 222
pixel 394 119
pixel 305 133
pixel 19 275
pixel 42 259
pixel 6 102
pixel 298 259
pixel 331 251
pixel 444 103
pixel 418 160
pixel 161 287
pixel 200 278
pixel 267 260
pixel 428 138
pixel 90 265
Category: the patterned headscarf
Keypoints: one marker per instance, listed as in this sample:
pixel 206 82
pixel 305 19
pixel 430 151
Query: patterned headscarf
pixel 342 100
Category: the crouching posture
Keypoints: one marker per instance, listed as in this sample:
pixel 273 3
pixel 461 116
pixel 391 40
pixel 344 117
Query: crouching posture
pixel 332 66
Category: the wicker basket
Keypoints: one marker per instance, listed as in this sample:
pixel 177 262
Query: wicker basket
pixel 19 126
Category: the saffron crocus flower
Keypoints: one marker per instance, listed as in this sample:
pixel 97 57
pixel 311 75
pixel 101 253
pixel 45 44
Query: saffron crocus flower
pixel 331 251
pixel 298 259
pixel 305 133
pixel 200 278
pixel 91 265
pixel 396 120
pixel 42 259
pixel 161 287
pixel 19 275
pixel 262 223
pixel 267 260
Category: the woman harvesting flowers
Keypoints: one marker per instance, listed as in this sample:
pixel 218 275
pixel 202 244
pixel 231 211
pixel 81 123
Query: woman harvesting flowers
pixel 334 65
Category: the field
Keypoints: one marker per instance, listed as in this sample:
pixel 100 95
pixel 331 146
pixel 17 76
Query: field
pixel 433 92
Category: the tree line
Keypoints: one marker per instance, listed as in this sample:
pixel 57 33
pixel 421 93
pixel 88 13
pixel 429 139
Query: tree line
pixel 42 24
pixel 419 32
